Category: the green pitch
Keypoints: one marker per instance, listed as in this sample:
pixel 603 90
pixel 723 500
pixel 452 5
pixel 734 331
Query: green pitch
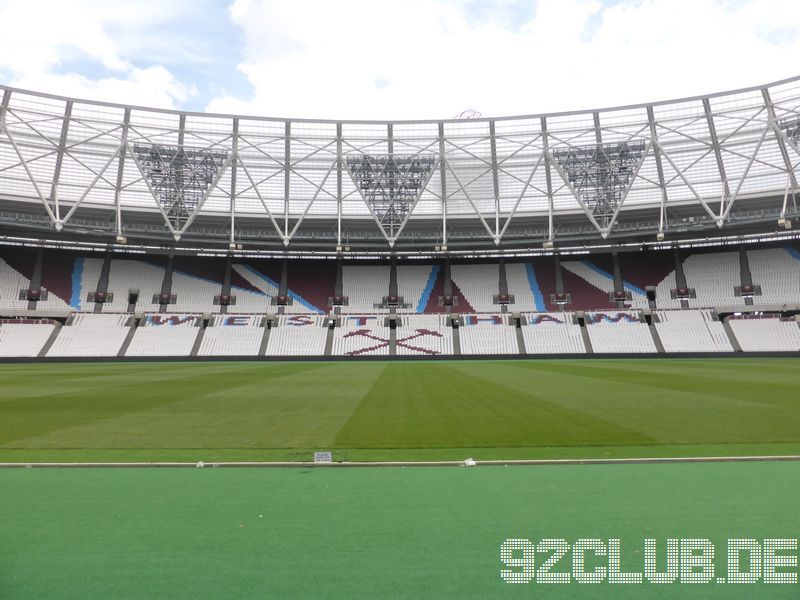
pixel 399 410
pixel 424 532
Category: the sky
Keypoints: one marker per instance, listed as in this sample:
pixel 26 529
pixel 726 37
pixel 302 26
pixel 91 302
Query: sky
pixel 399 59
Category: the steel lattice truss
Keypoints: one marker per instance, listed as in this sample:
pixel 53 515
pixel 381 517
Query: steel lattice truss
pixel 179 177
pixel 791 127
pixel 90 166
pixel 601 174
pixel 391 185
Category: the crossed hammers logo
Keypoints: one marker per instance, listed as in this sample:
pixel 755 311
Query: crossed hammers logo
pixel 401 342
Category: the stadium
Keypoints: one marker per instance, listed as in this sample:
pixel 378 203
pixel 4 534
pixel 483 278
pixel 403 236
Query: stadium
pixel 607 299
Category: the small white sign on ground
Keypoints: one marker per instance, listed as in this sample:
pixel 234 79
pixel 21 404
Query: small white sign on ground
pixel 323 457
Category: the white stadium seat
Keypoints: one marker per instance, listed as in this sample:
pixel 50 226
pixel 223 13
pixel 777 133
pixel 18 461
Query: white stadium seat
pixel 619 332
pixel 232 335
pixel 552 333
pixel 691 331
pixel 165 335
pixel 488 334
pixel 24 338
pixel 298 335
pixel 91 334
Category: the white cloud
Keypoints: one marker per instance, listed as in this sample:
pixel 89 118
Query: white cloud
pixel 433 59
pixel 389 59
pixel 151 87
pixel 40 37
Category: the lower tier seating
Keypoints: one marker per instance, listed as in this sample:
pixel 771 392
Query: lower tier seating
pixel 691 331
pixel 298 335
pixel 619 332
pixel 766 334
pixel 89 334
pixel 361 335
pixel 232 335
pixel 424 334
pixel 552 333
pixel 487 334
pixel 24 337
pixel 165 335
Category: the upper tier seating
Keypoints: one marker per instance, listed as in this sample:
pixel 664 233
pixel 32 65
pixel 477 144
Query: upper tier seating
pixel 193 294
pixel 364 286
pixel 487 334
pixel 15 278
pixel 664 288
pixel 424 334
pixel 361 335
pixel 415 286
pixel 552 333
pixel 11 282
pixel 648 268
pixel 524 286
pixel 195 283
pixel 60 273
pixel 589 283
pixel 713 277
pixel 127 275
pixel 16 269
pixel 253 290
pixel 543 271
pixel 603 280
pixel 232 335
pixel 766 334
pixel 619 332
pixel 89 334
pixel 313 281
pixel 24 338
pixel 298 335
pixel 479 284
pixel 777 271
pixel 691 331
pixel 165 335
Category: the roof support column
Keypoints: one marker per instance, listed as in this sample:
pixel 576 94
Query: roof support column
pixel 339 184
pixel 181 130
pixel 62 143
pixel 179 176
pixel 181 139
pixel 287 156
pixel 4 106
pixel 659 167
pixel 126 121
pixel 390 146
pixel 546 149
pixel 443 178
pixel 598 137
pixel 234 163
pixel 712 131
pixel 495 183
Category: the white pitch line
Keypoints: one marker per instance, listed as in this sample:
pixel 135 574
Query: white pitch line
pixel 442 463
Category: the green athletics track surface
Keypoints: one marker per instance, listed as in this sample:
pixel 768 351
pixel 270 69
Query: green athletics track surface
pixel 412 532
pixel 399 411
